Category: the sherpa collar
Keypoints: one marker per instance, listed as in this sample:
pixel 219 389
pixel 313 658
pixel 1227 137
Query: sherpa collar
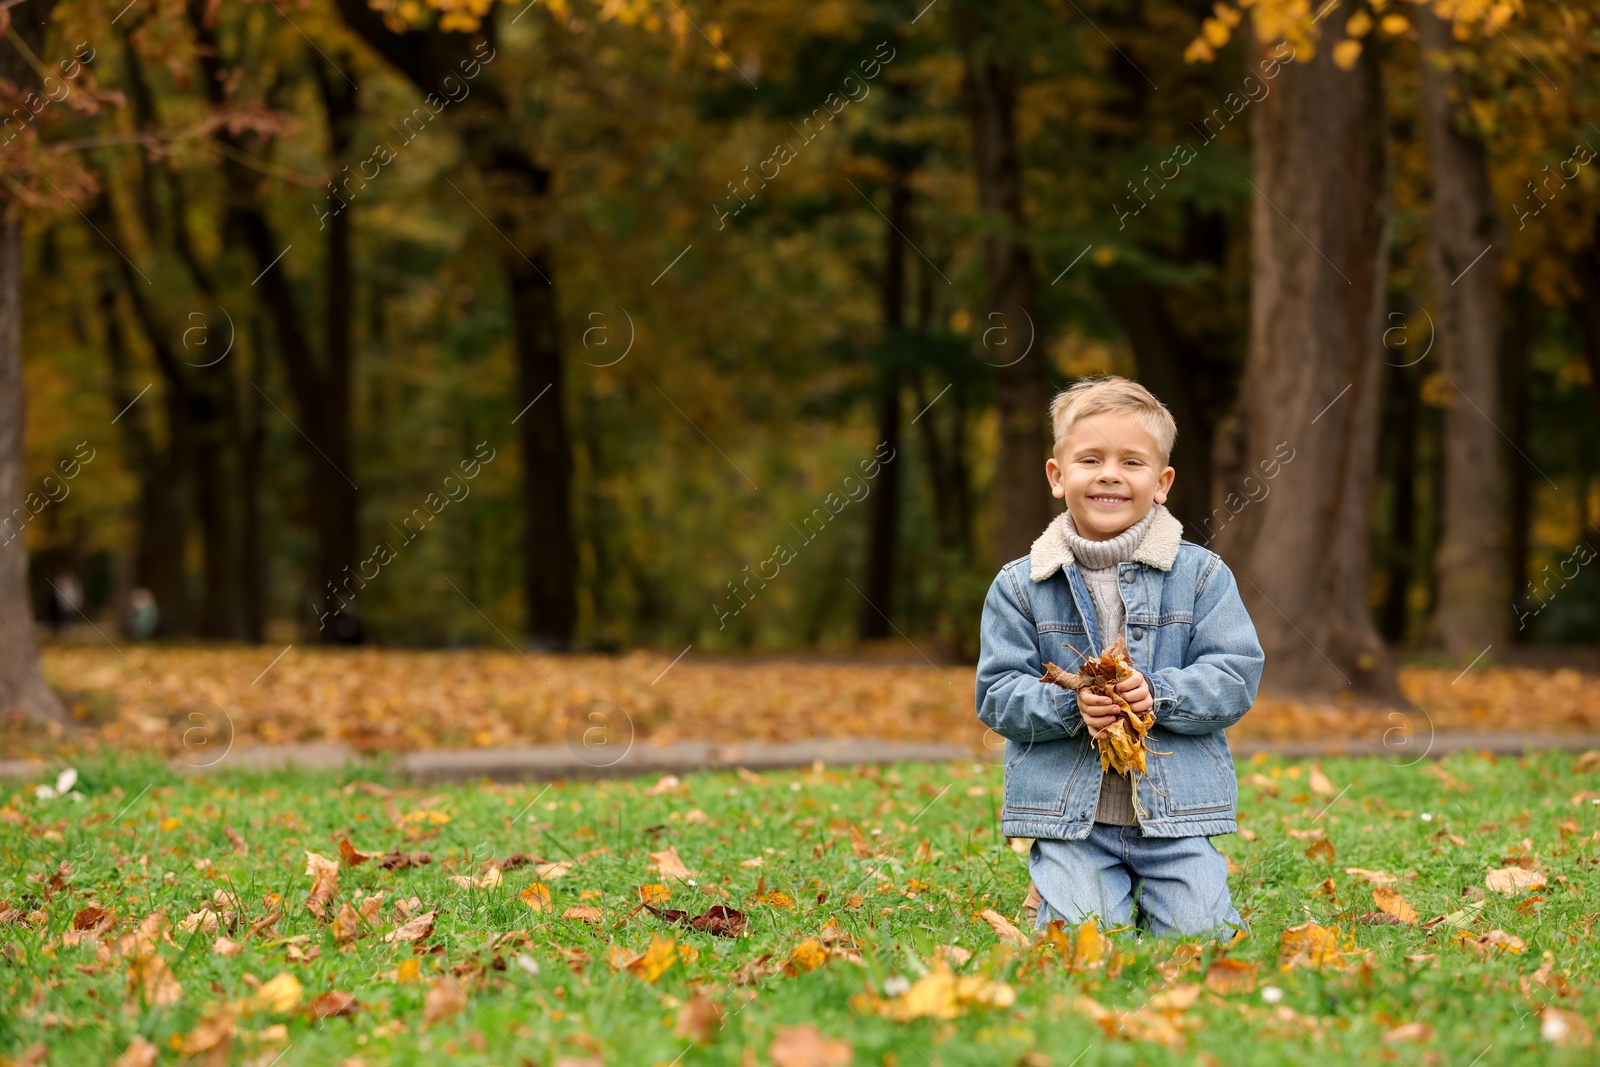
pixel 1159 548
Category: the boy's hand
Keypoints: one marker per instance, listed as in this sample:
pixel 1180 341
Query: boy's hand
pixel 1099 712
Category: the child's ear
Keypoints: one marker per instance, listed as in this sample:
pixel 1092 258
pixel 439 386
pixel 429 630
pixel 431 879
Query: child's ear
pixel 1164 485
pixel 1052 473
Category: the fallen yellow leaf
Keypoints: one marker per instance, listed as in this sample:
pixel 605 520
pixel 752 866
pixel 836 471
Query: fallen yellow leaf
pixel 536 896
pixel 655 960
pixel 279 994
pixel 1391 902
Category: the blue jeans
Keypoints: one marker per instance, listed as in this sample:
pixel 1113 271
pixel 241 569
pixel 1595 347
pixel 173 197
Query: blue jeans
pixel 1178 884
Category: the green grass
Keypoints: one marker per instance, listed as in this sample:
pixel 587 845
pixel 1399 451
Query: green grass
pixel 135 841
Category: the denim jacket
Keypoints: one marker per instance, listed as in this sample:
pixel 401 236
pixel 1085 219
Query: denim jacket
pixel 1187 632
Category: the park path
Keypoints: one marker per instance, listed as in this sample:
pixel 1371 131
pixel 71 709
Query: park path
pixel 556 762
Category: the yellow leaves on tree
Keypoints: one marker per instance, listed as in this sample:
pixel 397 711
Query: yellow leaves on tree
pixel 1296 23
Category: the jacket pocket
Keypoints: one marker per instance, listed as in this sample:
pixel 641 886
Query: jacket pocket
pixel 1198 775
pixel 1041 776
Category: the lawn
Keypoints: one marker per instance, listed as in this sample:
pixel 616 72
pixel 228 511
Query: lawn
pixel 143 913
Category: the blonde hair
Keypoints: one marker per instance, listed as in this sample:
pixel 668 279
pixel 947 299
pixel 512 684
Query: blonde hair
pixel 1112 395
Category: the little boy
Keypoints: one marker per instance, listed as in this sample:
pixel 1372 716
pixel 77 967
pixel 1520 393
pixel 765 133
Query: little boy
pixel 1115 565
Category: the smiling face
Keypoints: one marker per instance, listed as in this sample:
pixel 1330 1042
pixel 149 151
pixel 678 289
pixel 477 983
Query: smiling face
pixel 1110 472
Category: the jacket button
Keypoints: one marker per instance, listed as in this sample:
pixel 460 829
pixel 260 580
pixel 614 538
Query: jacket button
pixel 1128 577
pixel 1136 633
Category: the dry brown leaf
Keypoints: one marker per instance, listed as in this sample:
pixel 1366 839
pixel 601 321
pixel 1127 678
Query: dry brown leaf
pixel 1514 880
pixel 806 1046
pixel 668 863
pixel 698 1019
pixel 1004 929
pixel 1124 744
pixel 1257 780
pixel 1319 782
pixel 139 1053
pixel 333 1002
pixel 346 924
pixel 1226 976
pixel 1409 1032
pixel 204 919
pixel 1564 1028
pixel 1375 877
pixel 154 979
pixel 240 848
pixel 224 946
pixel 444 1000
pixel 215 1031
pixel 583 913
pixel 557 869
pixel 490 879
pixel 352 856
pixel 324 882
pixel 1494 940
pixel 415 928
pixel 1392 903
pixel 1321 850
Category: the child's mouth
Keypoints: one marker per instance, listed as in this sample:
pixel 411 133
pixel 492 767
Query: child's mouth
pixel 1109 501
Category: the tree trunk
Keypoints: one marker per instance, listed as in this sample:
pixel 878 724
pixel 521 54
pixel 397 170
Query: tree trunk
pixel 1403 406
pixel 1465 270
pixel 22 684
pixel 1011 324
pixel 252 452
pixel 876 609
pixel 166 485
pixel 1515 369
pixel 1319 254
pixel 1586 310
pixel 549 554
pixel 519 188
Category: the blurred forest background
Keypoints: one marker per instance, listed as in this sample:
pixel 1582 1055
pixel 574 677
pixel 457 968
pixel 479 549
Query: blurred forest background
pixel 581 309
